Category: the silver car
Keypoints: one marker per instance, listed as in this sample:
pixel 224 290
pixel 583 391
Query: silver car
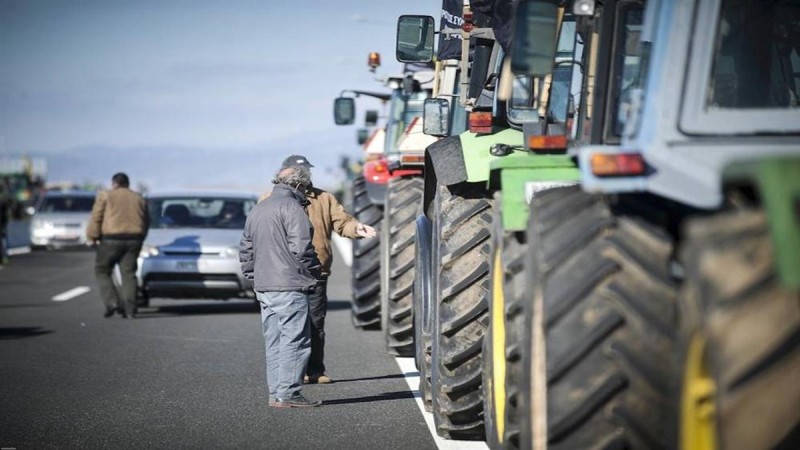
pixel 192 248
pixel 60 219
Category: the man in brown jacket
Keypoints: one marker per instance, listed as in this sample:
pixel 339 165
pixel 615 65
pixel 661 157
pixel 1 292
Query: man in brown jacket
pixel 118 226
pixel 327 215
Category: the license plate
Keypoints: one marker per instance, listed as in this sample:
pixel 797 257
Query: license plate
pixel 186 266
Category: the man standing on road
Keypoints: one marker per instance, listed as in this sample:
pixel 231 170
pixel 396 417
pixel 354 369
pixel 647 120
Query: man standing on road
pixel 5 208
pixel 118 226
pixel 327 215
pixel 276 253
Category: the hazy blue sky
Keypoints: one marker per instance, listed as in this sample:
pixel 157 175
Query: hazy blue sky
pixel 231 86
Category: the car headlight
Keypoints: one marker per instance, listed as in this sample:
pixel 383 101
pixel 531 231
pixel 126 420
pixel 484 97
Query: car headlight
pixel 43 224
pixel 42 228
pixel 230 252
pixel 148 251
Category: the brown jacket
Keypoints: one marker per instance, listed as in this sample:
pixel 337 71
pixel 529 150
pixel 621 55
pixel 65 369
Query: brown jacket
pixel 119 213
pixel 327 215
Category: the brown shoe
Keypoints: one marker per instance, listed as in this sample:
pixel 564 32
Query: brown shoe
pixel 318 379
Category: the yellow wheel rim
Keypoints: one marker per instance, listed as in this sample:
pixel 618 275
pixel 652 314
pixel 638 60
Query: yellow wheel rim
pixel 497 385
pixel 698 408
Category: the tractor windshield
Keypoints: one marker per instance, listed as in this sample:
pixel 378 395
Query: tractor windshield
pixel 757 57
pixel 627 63
pixel 402 111
pixel 564 85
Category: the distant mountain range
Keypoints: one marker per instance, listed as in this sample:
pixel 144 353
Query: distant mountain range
pixel 174 167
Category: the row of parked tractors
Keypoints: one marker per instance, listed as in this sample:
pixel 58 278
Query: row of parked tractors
pixel 589 218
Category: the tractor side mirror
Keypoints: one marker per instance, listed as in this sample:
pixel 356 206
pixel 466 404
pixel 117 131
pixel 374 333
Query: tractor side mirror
pixel 535 32
pixel 415 38
pixel 436 117
pixel 344 111
pixel 362 136
pixel 371 118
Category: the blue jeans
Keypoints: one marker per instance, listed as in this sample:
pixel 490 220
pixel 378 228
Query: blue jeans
pixel 287 338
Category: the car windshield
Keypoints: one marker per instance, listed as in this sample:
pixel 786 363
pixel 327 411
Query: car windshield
pixel 67 204
pixel 199 212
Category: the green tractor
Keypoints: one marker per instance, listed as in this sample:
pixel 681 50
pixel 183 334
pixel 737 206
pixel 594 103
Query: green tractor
pixel 450 302
pixel 466 178
pixel 577 81
pixel 385 196
pixel 661 305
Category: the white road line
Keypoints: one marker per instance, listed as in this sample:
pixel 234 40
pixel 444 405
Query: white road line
pixel 407 366
pixel 72 293
pixel 345 247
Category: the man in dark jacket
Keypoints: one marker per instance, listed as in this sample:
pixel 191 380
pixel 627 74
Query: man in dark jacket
pixel 327 216
pixel 277 254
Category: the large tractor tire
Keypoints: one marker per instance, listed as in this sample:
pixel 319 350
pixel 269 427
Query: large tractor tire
pixel 424 298
pixel 461 312
pixel 598 370
pixel 402 202
pixel 739 340
pixel 366 285
pixel 501 345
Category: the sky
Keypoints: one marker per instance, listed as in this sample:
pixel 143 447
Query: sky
pixel 189 94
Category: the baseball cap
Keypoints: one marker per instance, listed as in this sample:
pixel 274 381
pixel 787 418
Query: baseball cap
pixel 296 160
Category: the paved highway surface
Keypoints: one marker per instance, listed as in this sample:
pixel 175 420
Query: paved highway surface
pixel 184 374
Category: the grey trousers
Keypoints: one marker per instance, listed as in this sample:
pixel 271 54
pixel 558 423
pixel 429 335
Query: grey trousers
pixel 284 319
pixel 110 253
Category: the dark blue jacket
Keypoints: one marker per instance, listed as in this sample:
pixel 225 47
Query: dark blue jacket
pixel 276 251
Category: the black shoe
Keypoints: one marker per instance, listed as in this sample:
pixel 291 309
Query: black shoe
pixel 298 401
pixel 109 312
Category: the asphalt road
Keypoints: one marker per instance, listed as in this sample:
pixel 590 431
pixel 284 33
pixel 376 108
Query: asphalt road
pixel 184 374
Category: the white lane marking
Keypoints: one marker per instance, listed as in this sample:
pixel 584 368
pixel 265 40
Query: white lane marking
pixel 345 247
pixel 72 293
pixel 18 251
pixel 407 366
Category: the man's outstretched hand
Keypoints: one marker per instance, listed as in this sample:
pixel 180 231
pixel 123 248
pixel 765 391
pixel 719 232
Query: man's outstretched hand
pixel 365 231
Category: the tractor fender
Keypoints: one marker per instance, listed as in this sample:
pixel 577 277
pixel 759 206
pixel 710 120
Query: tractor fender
pixel 447 160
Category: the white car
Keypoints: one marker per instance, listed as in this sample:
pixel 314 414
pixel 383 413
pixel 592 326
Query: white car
pixel 60 219
pixel 192 248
